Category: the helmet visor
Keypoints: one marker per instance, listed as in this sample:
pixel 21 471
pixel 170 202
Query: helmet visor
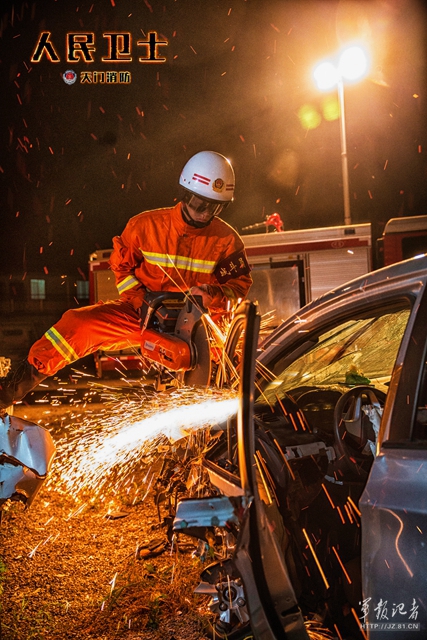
pixel 200 205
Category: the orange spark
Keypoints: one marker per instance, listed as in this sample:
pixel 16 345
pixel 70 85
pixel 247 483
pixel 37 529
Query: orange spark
pixel 396 542
pixel 337 632
pixel 354 506
pixel 316 559
pixel 341 564
pixel 328 496
pixel 291 473
pixel 270 501
pixel 358 622
pixel 340 514
pixel 348 512
pixel 294 424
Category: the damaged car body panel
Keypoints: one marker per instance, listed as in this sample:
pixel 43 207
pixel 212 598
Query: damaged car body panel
pixel 327 466
pixel 26 454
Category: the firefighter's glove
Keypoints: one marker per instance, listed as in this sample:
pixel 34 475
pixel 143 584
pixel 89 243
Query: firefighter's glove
pixel 206 293
pixel 136 298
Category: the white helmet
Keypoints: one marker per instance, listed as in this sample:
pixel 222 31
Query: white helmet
pixel 210 176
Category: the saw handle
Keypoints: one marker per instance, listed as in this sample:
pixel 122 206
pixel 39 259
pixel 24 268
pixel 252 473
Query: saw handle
pixel 153 300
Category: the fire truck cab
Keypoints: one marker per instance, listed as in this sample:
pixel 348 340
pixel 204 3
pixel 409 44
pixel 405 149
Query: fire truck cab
pixel 402 238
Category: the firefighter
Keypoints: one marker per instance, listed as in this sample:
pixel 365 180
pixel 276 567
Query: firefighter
pixel 186 247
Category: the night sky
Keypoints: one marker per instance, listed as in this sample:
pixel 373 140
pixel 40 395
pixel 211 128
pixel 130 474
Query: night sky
pixel 78 161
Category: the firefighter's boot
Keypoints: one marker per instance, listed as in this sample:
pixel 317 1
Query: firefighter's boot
pixel 18 383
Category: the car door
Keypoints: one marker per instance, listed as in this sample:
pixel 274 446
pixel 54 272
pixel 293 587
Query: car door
pixel 394 502
pixel 271 600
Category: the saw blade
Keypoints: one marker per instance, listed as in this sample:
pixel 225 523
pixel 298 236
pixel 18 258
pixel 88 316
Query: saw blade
pixel 200 376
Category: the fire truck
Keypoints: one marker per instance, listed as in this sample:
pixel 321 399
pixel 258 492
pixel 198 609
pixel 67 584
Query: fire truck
pixel 289 268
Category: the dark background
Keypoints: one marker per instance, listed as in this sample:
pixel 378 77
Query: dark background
pixel 78 161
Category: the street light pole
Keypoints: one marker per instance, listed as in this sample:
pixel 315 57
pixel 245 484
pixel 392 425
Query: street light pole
pixel 352 66
pixel 344 157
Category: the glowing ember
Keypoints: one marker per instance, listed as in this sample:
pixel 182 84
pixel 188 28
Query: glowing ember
pixel 106 449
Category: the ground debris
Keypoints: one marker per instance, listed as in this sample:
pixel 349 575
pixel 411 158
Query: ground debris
pixel 82 577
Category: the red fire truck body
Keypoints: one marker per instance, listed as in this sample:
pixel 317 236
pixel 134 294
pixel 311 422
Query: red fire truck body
pixel 290 268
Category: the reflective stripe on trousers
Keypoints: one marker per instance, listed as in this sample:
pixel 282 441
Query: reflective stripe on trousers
pixel 111 326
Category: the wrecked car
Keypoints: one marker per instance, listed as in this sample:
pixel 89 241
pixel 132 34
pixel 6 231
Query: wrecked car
pixel 26 454
pixel 320 484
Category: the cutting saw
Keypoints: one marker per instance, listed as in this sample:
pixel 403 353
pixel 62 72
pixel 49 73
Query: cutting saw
pixel 174 335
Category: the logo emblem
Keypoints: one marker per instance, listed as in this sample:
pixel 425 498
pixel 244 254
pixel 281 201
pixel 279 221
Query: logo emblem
pixel 69 77
pixel 218 185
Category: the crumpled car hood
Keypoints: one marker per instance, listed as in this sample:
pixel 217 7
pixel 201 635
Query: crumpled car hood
pixel 26 454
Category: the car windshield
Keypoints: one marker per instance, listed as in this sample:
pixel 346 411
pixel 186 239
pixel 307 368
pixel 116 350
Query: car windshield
pixel 357 351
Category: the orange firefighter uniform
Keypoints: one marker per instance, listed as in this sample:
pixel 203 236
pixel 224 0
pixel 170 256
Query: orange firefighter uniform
pixel 157 251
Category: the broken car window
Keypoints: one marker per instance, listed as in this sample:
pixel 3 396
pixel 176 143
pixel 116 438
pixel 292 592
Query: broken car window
pixel 358 351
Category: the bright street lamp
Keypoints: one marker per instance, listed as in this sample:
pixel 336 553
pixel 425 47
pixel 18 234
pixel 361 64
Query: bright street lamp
pixel 352 65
